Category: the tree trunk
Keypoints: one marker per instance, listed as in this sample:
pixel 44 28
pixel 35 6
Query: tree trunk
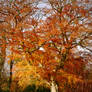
pixel 2 61
pixel 10 79
pixel 54 87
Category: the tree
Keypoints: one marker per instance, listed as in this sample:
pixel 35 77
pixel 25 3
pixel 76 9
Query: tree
pixel 63 31
pixel 13 16
pixel 59 35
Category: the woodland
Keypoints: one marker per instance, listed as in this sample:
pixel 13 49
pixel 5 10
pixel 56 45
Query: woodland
pixel 45 45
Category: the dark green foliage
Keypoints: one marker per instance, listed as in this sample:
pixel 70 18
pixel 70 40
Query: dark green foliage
pixel 43 89
pixel 30 88
pixel 34 89
pixel 4 91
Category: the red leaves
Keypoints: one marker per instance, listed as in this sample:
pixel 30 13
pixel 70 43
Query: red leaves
pixel 75 66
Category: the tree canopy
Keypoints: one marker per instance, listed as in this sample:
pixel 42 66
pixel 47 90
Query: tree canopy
pixel 49 47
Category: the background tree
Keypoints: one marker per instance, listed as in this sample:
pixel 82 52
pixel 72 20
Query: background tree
pixel 14 15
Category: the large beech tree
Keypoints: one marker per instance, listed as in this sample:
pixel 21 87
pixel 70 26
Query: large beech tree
pixel 66 29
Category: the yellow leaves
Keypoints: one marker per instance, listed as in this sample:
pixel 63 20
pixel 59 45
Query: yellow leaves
pixel 23 82
pixel 41 41
pixel 25 73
